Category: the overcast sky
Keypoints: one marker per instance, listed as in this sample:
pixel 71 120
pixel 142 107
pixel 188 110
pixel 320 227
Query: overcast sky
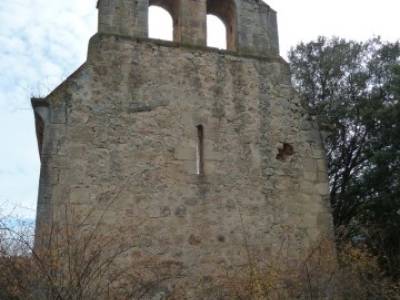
pixel 43 41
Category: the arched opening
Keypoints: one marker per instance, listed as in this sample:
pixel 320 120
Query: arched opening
pixel 226 12
pixel 216 32
pixel 161 25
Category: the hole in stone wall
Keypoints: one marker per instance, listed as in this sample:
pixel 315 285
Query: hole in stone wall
pixel 221 238
pixel 285 152
pixel 216 32
pixel 160 24
pixel 200 150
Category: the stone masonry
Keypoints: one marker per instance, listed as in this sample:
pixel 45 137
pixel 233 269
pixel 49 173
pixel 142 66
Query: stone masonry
pixel 126 125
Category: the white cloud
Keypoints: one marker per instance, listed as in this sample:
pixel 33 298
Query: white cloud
pixel 42 42
pixel 351 19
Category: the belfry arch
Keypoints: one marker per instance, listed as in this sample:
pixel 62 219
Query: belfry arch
pixel 173 8
pixel 160 24
pixel 226 11
pixel 216 37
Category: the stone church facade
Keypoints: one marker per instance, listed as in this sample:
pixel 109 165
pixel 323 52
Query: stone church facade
pixel 206 155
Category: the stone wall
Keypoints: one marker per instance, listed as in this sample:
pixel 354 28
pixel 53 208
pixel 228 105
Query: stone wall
pixel 251 24
pixel 124 128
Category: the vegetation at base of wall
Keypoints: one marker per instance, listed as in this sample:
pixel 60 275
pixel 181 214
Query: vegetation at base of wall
pixel 76 265
pixel 71 260
pixel 353 89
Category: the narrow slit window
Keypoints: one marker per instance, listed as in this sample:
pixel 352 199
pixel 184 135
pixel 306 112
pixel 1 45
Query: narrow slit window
pixel 200 150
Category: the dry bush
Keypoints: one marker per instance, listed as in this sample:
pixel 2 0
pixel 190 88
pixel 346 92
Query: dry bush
pixel 351 274
pixel 75 261
pixel 283 277
pixel 16 266
pixel 75 258
pixel 84 264
pixel 362 277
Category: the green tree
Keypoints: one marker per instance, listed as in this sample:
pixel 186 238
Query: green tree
pixel 353 88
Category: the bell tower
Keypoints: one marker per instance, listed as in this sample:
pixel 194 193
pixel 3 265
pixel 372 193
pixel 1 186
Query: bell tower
pixel 251 25
pixel 205 158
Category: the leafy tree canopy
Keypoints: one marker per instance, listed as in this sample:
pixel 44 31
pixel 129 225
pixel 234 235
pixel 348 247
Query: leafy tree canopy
pixel 353 88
